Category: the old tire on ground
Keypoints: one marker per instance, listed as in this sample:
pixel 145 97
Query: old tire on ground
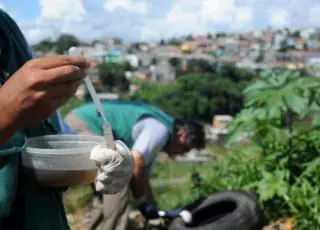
pixel 229 210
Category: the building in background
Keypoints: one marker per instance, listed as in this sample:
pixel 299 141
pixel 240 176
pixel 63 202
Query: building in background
pixel 313 64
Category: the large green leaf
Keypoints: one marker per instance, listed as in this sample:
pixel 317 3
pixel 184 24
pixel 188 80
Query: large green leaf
pixel 258 85
pixel 316 119
pixel 308 82
pixel 271 185
pixel 296 103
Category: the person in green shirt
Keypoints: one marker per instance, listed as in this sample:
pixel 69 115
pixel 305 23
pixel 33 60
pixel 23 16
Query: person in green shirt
pixel 146 130
pixel 31 91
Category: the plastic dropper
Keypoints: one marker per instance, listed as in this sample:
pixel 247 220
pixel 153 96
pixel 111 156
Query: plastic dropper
pixel 107 129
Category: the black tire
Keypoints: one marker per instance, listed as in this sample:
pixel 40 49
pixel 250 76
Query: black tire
pixel 229 210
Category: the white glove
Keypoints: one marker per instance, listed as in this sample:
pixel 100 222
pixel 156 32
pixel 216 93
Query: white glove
pixel 115 167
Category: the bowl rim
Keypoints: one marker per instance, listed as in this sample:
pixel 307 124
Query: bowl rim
pixel 66 151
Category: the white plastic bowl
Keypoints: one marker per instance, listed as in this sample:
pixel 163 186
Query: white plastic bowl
pixel 61 160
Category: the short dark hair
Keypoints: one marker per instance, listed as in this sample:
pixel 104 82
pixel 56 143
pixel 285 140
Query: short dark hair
pixel 195 130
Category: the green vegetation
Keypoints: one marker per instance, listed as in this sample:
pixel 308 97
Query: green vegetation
pixel 174 183
pixel 64 42
pixel 285 171
pixel 112 76
pixel 60 45
pixel 45 45
pixel 279 112
pixel 282 163
pixel 199 95
pixel 77 198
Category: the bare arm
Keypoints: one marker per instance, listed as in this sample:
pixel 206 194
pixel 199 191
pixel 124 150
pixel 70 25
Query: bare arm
pixel 147 144
pixel 140 183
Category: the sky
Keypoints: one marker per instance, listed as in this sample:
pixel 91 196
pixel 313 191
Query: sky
pixel 136 20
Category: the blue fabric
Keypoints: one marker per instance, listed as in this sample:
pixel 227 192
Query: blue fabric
pixel 15 144
pixel 64 127
pixel 148 210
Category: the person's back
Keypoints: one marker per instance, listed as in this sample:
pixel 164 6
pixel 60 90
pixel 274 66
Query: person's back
pixel 122 115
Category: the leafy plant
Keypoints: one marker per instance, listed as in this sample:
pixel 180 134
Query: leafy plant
pixel 286 176
pixel 273 104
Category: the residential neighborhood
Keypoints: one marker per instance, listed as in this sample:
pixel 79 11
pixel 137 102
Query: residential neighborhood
pixel 257 50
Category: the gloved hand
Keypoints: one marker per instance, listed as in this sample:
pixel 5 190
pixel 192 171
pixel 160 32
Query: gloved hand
pixel 148 210
pixel 115 167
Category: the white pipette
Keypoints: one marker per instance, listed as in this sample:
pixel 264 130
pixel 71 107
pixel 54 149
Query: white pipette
pixel 107 129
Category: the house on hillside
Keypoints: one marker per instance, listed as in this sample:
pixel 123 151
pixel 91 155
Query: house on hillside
pixel 144 59
pixel 132 59
pixel 110 42
pixel 313 64
pixel 166 52
pixel 114 55
pixel 163 72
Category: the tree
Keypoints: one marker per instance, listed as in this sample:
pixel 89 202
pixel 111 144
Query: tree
pixel 175 62
pixel 296 34
pixel 209 36
pixel 283 46
pixel 44 46
pixel 64 42
pixel 199 95
pixel 154 61
pixel 260 58
pixel 221 35
pixel 189 38
pixel 174 42
pixel 112 76
pixel 162 42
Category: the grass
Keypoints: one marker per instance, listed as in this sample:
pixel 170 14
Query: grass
pixel 76 198
pixel 170 180
pixel 170 195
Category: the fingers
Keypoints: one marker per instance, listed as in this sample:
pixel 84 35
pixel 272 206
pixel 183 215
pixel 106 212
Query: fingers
pixel 62 60
pixel 58 94
pixel 63 90
pixel 63 74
